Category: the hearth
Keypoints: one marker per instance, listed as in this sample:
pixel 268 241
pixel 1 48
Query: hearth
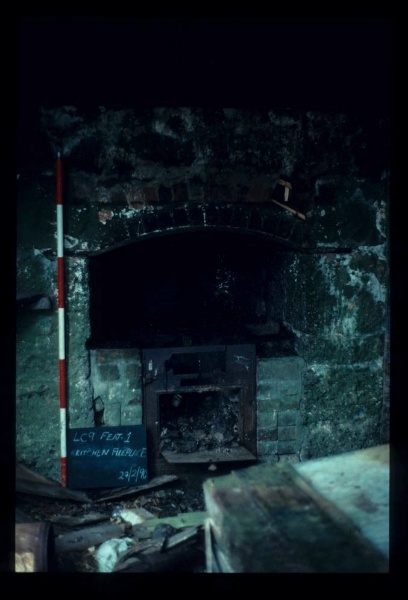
pixel 199 404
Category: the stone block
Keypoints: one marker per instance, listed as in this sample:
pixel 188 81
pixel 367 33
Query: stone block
pixel 267 419
pixel 286 434
pixel 286 447
pixel 112 414
pixel 109 372
pixel 287 417
pixel 267 448
pixel 267 434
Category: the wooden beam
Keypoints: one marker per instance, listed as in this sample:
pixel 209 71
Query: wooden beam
pixel 292 210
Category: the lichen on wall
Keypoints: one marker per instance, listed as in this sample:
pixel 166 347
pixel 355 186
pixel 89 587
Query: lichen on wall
pixel 357 283
pixel 137 173
pixel 79 392
pixel 37 391
pixel 336 305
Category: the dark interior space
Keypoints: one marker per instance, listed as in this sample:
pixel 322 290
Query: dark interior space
pixel 184 289
pixel 214 427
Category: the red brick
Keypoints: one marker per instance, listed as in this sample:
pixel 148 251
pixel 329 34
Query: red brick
pixel 105 215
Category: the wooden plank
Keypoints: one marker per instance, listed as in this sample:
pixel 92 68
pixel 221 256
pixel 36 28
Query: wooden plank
pixel 359 483
pixel 263 521
pixel 216 560
pixel 87 537
pixel 95 535
pixel 176 556
pixel 181 536
pixel 191 519
pixel 23 473
pixel 209 549
pixel 50 491
pixel 79 521
pixel 153 483
pixel 290 209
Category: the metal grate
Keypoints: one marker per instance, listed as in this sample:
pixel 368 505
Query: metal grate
pixel 199 403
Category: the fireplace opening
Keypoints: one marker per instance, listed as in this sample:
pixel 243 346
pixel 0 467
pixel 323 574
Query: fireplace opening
pixel 199 403
pixel 204 423
pixel 190 288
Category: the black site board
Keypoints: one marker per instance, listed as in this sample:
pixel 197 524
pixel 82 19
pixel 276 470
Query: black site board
pixel 105 457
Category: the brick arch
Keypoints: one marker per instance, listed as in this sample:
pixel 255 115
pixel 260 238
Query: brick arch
pixel 262 220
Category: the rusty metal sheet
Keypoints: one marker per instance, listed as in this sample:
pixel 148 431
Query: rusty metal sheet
pixel 208 456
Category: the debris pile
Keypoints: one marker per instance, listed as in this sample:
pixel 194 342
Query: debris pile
pixel 157 527
pixel 186 429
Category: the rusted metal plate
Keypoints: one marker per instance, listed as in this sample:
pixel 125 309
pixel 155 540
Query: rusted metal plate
pixel 268 519
pixel 228 455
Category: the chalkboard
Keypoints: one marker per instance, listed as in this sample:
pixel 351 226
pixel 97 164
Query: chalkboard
pixel 105 457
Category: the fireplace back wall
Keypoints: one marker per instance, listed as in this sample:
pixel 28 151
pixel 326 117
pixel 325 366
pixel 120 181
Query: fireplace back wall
pixel 173 240
pixel 188 288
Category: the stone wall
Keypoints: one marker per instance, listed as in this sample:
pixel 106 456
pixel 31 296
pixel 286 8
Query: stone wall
pixel 117 386
pixel 132 175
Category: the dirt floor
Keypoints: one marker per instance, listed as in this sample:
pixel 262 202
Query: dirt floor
pixel 184 495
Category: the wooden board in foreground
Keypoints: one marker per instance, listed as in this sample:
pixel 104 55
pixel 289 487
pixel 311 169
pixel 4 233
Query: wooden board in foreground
pixel 270 519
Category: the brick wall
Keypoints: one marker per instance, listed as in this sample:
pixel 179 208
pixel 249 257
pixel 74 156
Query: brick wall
pixel 279 394
pixel 117 382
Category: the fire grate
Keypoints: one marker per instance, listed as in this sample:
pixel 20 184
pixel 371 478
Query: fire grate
pixel 199 403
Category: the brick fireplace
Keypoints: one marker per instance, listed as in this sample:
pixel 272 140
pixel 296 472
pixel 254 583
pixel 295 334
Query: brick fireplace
pixel 194 316
pixel 178 246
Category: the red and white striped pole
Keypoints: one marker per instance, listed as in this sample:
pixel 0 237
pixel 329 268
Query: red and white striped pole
pixel 61 324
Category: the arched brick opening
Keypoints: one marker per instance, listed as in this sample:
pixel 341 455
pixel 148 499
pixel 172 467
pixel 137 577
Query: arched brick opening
pixel 184 287
pixel 263 219
pixel 201 304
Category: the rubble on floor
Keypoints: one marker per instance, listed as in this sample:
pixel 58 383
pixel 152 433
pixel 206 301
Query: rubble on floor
pixel 154 528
